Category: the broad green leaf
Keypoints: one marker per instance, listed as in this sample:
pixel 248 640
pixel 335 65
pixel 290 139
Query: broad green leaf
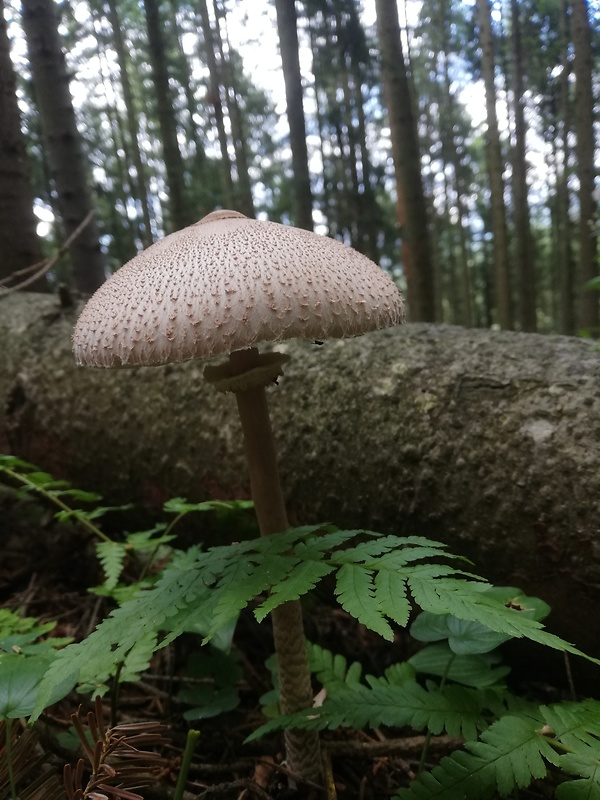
pixel 464 637
pixel 470 670
pixel 20 678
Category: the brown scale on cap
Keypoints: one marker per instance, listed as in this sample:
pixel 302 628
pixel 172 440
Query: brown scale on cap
pixel 227 283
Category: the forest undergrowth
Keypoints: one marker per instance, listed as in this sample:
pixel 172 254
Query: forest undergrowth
pixel 145 662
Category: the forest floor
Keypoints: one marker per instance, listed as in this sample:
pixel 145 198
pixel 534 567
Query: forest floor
pixel 45 572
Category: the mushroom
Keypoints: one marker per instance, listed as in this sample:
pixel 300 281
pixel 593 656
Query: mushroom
pixel 224 286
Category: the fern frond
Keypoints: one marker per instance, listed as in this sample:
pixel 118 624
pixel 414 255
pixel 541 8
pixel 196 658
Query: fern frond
pixel 111 556
pixel 315 541
pixel 332 669
pixel 586 764
pixel 147 613
pixel 223 580
pixel 242 581
pixel 455 709
pixel 390 593
pixel 468 600
pixel 300 581
pixel 356 594
pixel 512 752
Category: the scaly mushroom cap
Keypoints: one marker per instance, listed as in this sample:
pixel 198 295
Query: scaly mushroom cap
pixel 228 283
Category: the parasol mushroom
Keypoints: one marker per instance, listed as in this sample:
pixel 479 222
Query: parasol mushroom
pixel 224 286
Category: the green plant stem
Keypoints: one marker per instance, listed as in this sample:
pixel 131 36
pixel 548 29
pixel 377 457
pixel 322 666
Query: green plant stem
pixel 190 745
pixel 428 734
pixel 9 764
pixel 58 502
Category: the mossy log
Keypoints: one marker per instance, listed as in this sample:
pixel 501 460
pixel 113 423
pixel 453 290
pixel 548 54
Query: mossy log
pixel 488 441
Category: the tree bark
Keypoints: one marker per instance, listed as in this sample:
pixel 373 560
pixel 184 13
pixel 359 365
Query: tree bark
pixel 215 100
pixel 290 60
pixel 586 169
pixel 62 140
pixel 495 169
pixel 486 440
pixel 564 247
pixel 19 242
pixel 412 206
pixel 243 184
pixel 139 183
pixel 181 215
pixel 524 250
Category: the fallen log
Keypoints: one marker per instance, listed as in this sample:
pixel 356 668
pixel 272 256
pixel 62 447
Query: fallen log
pixel 489 441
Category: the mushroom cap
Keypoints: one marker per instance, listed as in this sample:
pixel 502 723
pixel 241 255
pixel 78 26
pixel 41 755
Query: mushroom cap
pixel 229 283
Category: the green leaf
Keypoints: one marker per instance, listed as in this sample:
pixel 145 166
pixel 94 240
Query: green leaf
pixel 20 678
pixel 390 594
pixel 13 463
pixel 464 636
pixel 510 754
pixel 356 594
pixel 86 515
pixel 179 505
pixel 242 582
pixel 594 283
pixel 469 601
pixel 111 556
pixel 331 669
pixel 584 763
pixel 300 581
pixel 455 709
pixel 470 670
pixel 208 701
pixel 199 620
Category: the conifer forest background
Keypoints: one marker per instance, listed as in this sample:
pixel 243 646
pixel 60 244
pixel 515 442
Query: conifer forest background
pixel 455 143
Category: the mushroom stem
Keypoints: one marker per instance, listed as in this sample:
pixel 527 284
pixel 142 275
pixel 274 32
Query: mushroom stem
pixel 302 747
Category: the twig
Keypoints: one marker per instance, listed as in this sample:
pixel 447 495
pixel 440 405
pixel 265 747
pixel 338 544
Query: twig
pixel 42 267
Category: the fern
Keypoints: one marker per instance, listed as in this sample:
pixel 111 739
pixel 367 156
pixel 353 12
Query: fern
pixel 373 580
pixel 111 556
pixel 517 749
pixel 584 763
pixel 457 710
pixel 332 669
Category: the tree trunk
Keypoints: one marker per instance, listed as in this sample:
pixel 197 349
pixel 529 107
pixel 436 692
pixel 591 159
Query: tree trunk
pixel 243 185
pixel 452 148
pixel 180 214
pixel 482 439
pixel 564 250
pixel 586 170
pixel 201 190
pixel 62 140
pixel 290 61
pixel 139 183
pixel 412 206
pixel 495 170
pixel 217 104
pixel 524 251
pixel 19 242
